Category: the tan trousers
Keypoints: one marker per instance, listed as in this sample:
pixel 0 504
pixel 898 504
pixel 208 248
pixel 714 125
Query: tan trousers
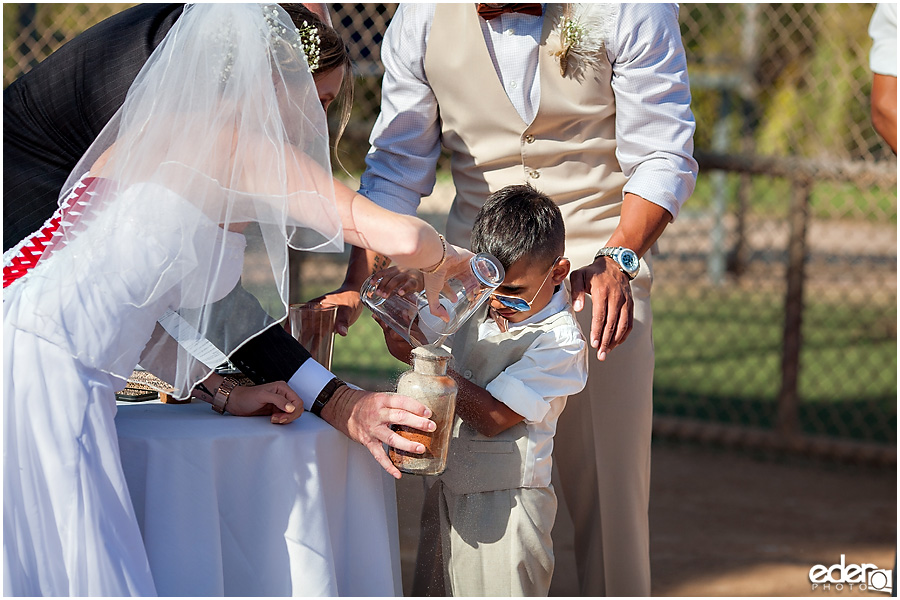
pixel 601 456
pixel 498 544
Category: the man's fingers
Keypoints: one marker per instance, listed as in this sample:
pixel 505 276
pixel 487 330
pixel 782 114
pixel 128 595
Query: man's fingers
pixel 408 405
pixel 377 450
pixel 577 281
pixel 626 324
pixel 598 320
pixel 343 320
pixel 286 404
pixel 400 442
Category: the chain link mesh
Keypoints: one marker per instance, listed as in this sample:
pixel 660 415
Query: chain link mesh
pixel 775 294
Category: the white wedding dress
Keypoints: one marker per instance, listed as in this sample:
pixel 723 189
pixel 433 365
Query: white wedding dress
pixel 69 528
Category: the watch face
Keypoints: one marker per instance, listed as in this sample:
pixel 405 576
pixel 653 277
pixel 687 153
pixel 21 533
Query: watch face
pixel 629 260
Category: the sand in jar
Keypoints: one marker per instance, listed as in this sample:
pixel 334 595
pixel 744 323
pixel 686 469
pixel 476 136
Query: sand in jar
pixel 428 383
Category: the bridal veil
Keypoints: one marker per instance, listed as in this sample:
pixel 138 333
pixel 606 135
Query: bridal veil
pixel 226 116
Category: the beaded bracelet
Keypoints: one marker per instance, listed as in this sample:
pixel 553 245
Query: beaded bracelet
pixel 443 258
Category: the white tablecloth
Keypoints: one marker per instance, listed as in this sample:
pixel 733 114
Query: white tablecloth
pixel 237 506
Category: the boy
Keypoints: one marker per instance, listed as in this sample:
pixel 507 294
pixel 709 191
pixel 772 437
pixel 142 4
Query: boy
pixel 487 519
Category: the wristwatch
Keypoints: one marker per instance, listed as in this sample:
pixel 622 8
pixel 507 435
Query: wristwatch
pixel 223 392
pixel 325 395
pixel 627 259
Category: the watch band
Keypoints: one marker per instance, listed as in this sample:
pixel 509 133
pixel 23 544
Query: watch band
pixel 325 395
pixel 614 252
pixel 223 393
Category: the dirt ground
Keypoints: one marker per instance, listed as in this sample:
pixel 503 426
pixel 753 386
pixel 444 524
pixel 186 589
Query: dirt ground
pixel 729 524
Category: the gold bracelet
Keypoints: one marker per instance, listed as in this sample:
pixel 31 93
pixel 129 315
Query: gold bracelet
pixel 443 258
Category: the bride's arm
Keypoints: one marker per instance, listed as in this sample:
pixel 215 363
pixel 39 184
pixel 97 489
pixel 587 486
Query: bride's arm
pixel 410 241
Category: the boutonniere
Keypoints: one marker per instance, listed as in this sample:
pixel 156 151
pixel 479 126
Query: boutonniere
pixel 582 30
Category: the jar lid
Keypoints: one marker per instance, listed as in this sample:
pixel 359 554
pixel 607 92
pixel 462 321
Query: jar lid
pixel 487 269
pixel 430 352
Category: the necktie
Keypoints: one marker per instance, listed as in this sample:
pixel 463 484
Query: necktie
pixel 490 11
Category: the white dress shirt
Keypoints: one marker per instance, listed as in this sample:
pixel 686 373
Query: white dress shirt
pixel 883 31
pixel 654 126
pixel 537 385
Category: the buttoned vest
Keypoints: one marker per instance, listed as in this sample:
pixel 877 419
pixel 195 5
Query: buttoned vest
pixel 567 152
pixel 475 462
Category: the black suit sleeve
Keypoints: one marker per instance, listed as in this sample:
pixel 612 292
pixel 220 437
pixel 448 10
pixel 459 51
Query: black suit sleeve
pixel 53 113
pixel 273 355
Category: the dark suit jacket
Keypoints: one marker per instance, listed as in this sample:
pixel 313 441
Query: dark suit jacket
pixel 52 114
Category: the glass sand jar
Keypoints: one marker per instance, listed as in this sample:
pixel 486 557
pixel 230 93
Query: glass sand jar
pixel 467 288
pixel 428 383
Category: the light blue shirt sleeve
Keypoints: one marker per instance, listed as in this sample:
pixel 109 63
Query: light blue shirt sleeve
pixel 406 139
pixel 654 123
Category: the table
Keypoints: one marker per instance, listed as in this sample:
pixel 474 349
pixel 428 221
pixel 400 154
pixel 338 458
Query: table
pixel 237 506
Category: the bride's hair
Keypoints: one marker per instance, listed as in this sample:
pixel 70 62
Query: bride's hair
pixel 333 54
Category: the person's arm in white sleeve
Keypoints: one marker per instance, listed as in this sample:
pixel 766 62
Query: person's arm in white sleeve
pixel 406 139
pixel 883 62
pixel 654 138
pixel 554 365
pixel 405 146
pixel 654 123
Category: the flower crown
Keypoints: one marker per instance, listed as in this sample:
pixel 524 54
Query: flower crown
pixel 307 35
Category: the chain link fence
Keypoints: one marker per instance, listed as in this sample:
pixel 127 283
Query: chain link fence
pixel 775 298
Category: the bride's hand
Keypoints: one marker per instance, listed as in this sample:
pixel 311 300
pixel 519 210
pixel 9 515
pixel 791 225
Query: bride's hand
pixel 434 282
pixel 275 398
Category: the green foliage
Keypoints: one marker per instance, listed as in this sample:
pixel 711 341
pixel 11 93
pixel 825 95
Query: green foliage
pixel 811 76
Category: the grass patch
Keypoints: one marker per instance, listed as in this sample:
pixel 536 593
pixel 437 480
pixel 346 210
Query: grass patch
pixel 718 357
pixel 770 198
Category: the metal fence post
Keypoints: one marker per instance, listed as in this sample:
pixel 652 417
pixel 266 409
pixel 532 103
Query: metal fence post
pixel 788 396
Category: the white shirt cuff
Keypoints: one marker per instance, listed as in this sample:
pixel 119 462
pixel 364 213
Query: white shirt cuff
pixel 519 397
pixel 309 380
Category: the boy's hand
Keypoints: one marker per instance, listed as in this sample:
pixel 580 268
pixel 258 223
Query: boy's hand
pixel 349 307
pixel 397 346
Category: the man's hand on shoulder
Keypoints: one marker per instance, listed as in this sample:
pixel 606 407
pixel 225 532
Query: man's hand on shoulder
pixel 612 304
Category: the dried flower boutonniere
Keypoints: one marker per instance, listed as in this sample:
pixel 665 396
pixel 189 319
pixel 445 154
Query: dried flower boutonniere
pixel 583 29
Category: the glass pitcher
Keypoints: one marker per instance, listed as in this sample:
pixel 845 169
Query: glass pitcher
pixel 466 289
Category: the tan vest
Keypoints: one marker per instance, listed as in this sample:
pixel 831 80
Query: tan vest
pixel 477 463
pixel 568 152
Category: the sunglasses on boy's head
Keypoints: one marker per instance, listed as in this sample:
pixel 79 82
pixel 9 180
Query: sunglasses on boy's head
pixel 519 304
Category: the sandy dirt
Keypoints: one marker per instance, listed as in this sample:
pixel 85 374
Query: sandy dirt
pixel 729 524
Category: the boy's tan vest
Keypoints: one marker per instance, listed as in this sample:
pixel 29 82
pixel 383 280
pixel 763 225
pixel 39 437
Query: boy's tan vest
pixel 477 463
pixel 568 152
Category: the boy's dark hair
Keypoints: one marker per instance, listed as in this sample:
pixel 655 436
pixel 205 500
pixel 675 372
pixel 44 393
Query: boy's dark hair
pixel 519 221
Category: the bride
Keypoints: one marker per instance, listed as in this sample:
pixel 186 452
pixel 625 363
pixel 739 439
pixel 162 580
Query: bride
pixel 214 165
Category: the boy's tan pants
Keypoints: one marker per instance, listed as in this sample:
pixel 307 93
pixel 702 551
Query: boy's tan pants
pixel 499 543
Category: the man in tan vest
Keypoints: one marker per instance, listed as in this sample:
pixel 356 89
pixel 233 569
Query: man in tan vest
pixel 591 105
